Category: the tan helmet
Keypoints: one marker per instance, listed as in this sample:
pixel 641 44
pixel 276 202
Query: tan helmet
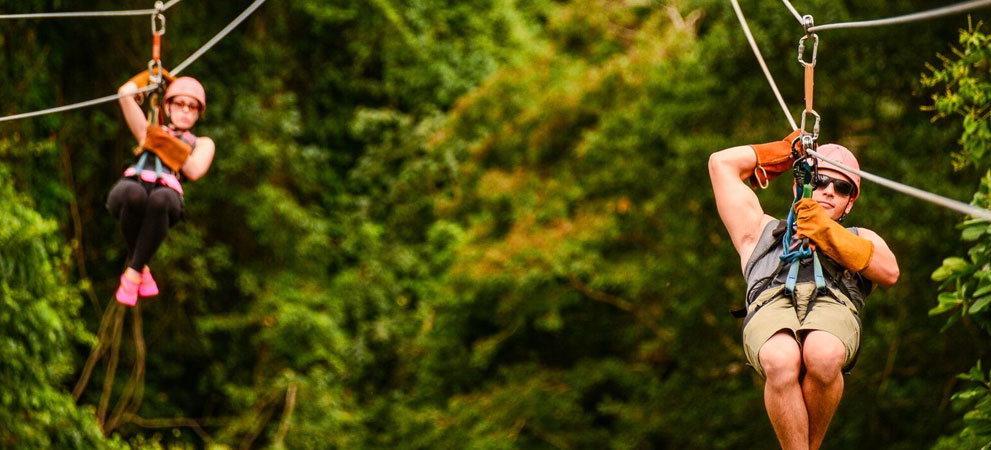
pixel 187 86
pixel 843 156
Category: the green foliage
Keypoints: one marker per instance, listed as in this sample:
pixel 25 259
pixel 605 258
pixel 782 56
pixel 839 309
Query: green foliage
pixel 478 224
pixel 966 282
pixel 966 93
pixel 40 326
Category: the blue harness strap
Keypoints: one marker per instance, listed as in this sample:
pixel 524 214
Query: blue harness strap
pixel 141 163
pixel 803 251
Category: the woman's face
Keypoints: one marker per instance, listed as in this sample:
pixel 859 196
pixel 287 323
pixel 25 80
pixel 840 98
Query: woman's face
pixel 183 111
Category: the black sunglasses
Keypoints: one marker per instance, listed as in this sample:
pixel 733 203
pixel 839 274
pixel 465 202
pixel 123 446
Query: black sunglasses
pixel 841 187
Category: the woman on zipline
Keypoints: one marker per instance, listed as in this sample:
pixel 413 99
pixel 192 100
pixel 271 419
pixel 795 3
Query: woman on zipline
pixel 148 198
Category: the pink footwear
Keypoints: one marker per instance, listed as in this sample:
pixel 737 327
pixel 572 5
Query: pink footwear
pixel 148 286
pixel 127 293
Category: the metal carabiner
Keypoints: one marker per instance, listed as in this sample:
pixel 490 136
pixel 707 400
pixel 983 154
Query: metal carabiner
pixel 801 49
pixel 155 77
pixel 815 126
pixel 807 23
pixel 808 143
pixel 158 19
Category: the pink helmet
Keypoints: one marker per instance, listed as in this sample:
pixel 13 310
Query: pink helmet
pixel 840 154
pixel 187 86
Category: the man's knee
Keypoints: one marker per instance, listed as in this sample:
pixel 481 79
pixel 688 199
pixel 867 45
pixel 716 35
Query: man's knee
pixel 781 359
pixel 823 355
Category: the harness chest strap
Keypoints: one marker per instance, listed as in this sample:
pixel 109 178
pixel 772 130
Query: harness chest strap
pixel 160 175
pixel 766 270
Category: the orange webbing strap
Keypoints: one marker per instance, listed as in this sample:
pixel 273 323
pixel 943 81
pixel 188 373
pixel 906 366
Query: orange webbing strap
pixel 809 71
pixel 156 47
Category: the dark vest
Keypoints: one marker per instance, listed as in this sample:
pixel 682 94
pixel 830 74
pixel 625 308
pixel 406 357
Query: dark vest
pixel 765 270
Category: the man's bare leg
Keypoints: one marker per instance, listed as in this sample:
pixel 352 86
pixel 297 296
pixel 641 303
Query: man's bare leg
pixel 781 359
pixel 823 354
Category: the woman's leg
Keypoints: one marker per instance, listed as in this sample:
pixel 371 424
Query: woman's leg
pixel 127 203
pixel 163 209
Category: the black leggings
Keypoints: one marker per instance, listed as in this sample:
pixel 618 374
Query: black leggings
pixel 146 211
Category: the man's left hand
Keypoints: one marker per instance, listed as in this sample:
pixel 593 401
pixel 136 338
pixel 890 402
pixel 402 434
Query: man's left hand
pixel 849 250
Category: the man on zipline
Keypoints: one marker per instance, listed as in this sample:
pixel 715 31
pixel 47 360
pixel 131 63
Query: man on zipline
pixel 800 341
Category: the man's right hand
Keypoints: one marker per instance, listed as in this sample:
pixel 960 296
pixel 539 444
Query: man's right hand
pixel 773 159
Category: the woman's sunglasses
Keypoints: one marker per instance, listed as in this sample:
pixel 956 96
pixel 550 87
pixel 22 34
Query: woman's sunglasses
pixel 186 106
pixel 841 187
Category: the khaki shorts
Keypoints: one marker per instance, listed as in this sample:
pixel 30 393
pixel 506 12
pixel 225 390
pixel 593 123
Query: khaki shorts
pixel 775 310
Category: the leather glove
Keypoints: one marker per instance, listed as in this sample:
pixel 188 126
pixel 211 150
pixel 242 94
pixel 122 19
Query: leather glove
pixel 142 79
pixel 172 150
pixel 849 250
pixel 773 159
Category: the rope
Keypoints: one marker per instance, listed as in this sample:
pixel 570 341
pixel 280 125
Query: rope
pixel 57 15
pixel 794 12
pixel 175 71
pixel 763 66
pixel 218 37
pixel 924 15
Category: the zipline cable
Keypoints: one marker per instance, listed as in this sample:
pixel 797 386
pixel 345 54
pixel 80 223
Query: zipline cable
pixel 924 15
pixel 97 101
pixel 175 71
pixel 794 12
pixel 75 14
pixel 915 192
pixel 218 37
pixel 763 66
pixel 893 185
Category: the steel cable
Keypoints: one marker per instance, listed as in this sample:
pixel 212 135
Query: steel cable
pixel 763 66
pixel 174 71
pixel 935 199
pixel 247 12
pixel 794 12
pixel 76 14
pixel 948 203
pixel 924 15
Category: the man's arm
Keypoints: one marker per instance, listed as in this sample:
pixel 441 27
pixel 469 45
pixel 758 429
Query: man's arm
pixel 882 268
pixel 738 206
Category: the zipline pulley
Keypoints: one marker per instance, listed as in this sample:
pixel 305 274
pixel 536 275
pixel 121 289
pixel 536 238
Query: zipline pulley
pixel 157 31
pixel 155 69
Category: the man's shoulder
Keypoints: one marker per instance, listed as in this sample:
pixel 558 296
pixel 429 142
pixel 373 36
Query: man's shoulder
pixel 867 233
pixel 764 221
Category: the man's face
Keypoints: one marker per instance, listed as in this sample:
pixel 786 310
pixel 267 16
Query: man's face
pixel 829 197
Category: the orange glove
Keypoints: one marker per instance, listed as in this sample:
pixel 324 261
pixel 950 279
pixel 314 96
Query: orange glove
pixel 142 79
pixel 773 159
pixel 838 243
pixel 173 151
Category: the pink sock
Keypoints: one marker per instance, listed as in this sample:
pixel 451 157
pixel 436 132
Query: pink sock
pixel 127 292
pixel 148 286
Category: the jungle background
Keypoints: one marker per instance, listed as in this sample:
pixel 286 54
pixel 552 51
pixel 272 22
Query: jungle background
pixel 478 224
